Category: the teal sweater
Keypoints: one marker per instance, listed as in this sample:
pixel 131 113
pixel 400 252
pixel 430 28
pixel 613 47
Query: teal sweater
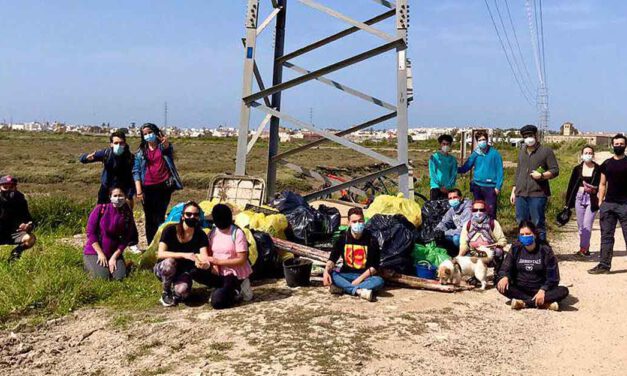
pixel 488 168
pixel 442 170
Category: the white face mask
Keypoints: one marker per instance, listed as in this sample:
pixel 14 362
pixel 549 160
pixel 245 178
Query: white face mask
pixel 117 201
pixel 530 141
pixel 446 148
pixel 586 157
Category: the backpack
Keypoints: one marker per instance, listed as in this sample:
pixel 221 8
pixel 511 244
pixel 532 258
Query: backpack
pixel 491 225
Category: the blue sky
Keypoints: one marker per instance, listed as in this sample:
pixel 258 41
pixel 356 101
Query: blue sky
pixel 119 61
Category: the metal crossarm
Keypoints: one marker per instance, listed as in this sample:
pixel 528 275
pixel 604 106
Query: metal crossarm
pixel 272 96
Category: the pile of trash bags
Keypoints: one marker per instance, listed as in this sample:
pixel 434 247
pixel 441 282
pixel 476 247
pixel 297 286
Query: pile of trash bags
pixel 395 235
pixel 392 205
pixel 307 225
pixel 432 214
pixel 430 253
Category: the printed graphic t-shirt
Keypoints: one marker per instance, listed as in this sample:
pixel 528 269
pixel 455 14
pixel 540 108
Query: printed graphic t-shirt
pixel 357 254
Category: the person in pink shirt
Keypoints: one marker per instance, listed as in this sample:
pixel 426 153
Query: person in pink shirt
pixel 228 255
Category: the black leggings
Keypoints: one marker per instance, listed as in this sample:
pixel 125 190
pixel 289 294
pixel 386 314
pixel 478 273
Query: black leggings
pixel 226 287
pixel 556 294
pixel 156 201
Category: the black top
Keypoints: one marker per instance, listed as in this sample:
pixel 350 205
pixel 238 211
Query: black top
pixel 616 173
pixel 531 270
pixel 357 254
pixel 541 156
pixel 13 212
pixel 576 181
pixel 197 241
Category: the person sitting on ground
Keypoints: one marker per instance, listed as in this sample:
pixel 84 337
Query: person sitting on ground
pixel 110 228
pixel 16 223
pixel 449 229
pixel 117 171
pixel 179 258
pixel 442 169
pixel 228 256
pixel 360 260
pixel 482 232
pixel 529 275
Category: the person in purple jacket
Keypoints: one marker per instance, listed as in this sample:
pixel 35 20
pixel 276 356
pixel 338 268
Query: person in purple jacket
pixel 109 229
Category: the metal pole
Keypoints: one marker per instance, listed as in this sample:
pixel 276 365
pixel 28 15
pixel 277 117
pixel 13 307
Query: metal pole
pixel 402 22
pixel 277 78
pixel 252 16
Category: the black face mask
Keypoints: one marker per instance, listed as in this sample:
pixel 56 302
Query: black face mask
pixel 619 150
pixel 191 222
pixel 7 195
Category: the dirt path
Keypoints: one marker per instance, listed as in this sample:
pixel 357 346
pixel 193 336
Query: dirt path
pixel 306 331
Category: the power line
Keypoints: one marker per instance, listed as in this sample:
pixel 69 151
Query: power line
pixel 542 42
pixel 498 34
pixel 534 43
pixel 511 49
pixel 524 63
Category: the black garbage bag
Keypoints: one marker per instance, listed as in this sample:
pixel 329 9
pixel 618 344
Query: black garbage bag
pixel 288 201
pixel 432 214
pixel 309 226
pixel 331 218
pixel 395 235
pixel 268 263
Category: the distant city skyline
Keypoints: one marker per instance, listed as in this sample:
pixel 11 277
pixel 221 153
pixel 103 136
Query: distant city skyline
pixel 119 62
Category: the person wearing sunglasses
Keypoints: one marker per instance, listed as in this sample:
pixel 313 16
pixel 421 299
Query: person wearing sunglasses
pixel 481 233
pixel 178 255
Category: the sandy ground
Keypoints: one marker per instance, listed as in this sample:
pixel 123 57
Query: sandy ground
pixel 307 331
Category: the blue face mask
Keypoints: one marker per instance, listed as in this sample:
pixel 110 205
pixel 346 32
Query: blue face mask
pixel 478 216
pixel 526 240
pixel 358 228
pixel 150 137
pixel 482 144
pixel 454 203
pixel 118 149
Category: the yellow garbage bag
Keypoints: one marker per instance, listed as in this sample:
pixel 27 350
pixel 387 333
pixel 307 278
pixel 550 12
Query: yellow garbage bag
pixel 391 205
pixel 274 224
pixel 207 206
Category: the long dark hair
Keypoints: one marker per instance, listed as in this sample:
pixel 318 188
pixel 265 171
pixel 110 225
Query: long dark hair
pixel 144 144
pixel 180 231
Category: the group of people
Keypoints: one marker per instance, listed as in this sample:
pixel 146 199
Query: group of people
pixel 528 274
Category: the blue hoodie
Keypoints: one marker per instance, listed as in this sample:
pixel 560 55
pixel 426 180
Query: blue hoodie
pixel 442 170
pixel 488 168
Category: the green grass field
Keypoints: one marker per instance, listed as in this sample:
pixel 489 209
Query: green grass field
pixel 49 280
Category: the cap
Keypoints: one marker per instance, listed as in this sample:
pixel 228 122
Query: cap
pixel 528 129
pixel 8 179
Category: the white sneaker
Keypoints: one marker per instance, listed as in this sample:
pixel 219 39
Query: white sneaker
pixel 518 304
pixel 366 294
pixel 246 291
pixel 134 249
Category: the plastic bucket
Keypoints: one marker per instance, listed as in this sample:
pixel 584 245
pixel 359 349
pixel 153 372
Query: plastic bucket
pixel 297 272
pixel 425 270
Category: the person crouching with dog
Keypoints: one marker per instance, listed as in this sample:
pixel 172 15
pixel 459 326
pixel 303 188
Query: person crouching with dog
pixel 481 234
pixel 361 256
pixel 529 275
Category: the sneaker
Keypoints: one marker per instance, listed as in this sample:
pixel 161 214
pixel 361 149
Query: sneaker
pixel 336 290
pixel 246 291
pixel 366 294
pixel 553 307
pixel 599 269
pixel 518 304
pixel 583 253
pixel 167 299
pixel 134 249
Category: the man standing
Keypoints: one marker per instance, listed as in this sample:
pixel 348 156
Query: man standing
pixel 487 180
pixel 16 224
pixel 536 166
pixel 613 198
pixel 360 260
pixel 442 169
pixel 450 227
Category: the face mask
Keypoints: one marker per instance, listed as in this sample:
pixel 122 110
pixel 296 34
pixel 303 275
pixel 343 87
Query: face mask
pixel 357 228
pixel 482 144
pixel 619 150
pixel 478 216
pixel 7 195
pixel 191 222
pixel 530 141
pixel 118 202
pixel 118 149
pixel 446 148
pixel 150 137
pixel 526 240
pixel 586 157
pixel 454 203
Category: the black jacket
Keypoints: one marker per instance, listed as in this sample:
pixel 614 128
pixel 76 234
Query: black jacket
pixel 575 182
pixel 13 212
pixel 531 270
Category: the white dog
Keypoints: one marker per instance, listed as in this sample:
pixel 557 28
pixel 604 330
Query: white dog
pixel 452 271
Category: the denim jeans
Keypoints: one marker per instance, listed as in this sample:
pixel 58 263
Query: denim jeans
pixel 611 213
pixel 532 209
pixel 344 280
pixel 487 194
